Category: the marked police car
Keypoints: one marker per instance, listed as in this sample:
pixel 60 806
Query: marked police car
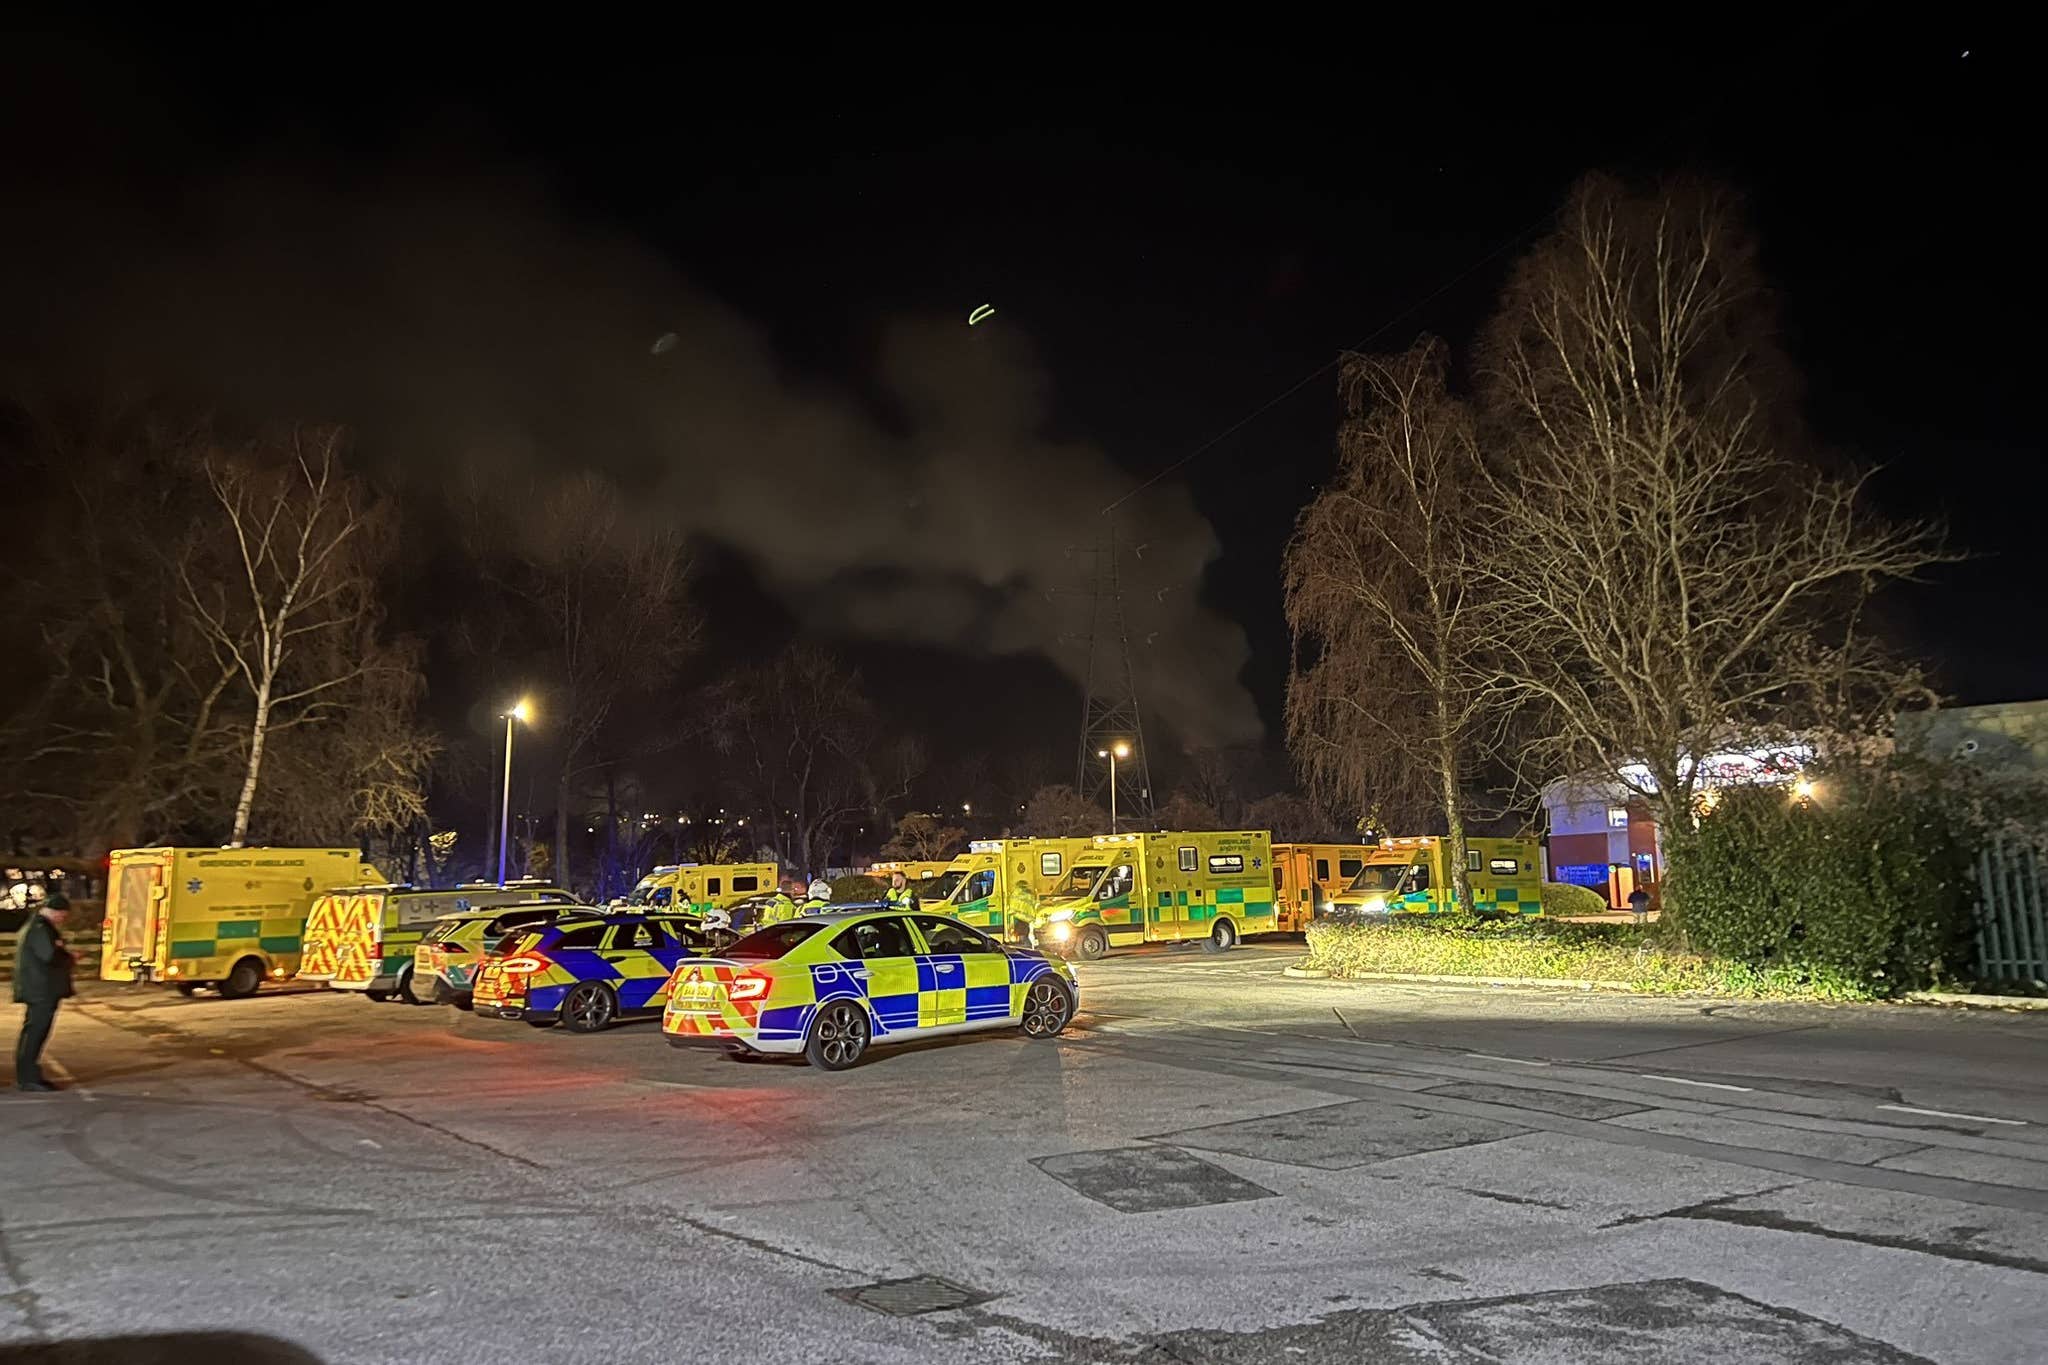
pixel 828 986
pixel 587 972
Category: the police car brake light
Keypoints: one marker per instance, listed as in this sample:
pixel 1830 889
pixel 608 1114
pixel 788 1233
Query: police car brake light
pixel 747 986
pixel 526 964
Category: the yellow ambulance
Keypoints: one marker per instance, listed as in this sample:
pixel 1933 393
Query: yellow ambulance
pixel 229 918
pixel 1412 875
pixel 998 884
pixel 1169 887
pixel 1306 876
pixel 361 938
pixel 693 888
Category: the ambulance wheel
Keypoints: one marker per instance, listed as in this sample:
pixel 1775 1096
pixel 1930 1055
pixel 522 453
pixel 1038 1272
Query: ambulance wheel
pixel 1092 944
pixel 1222 938
pixel 1048 1005
pixel 839 1036
pixel 590 1008
pixel 242 980
pixel 188 988
pixel 405 989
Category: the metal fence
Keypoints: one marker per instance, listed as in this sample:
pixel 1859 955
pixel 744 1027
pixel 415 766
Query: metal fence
pixel 2012 928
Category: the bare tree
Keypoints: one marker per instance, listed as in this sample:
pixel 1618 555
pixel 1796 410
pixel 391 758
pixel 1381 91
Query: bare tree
pixel 305 540
pixel 603 592
pixel 1185 810
pixel 805 735
pixel 921 838
pixel 1391 706
pixel 122 729
pixel 1297 820
pixel 1676 574
pixel 1060 811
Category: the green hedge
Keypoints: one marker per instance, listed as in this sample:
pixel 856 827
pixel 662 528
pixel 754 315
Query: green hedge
pixel 1868 882
pixel 1562 898
pixel 1636 957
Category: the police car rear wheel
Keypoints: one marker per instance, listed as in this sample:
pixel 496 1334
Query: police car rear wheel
pixel 1092 944
pixel 589 1008
pixel 405 989
pixel 1048 1006
pixel 839 1037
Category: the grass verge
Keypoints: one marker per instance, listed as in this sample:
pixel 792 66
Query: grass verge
pixel 1625 954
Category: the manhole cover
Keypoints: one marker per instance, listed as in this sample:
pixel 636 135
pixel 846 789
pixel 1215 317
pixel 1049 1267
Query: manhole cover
pixel 910 1297
pixel 1148 1179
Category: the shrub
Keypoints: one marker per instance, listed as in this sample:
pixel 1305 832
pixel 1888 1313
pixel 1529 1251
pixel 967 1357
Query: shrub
pixel 1632 956
pixel 857 887
pixel 1869 882
pixel 1562 898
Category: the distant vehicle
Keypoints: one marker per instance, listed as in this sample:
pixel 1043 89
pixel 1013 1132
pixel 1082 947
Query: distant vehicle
pixel 587 972
pixel 229 918
pixel 998 884
pixel 830 986
pixel 695 888
pixel 445 962
pixel 1306 876
pixel 1412 876
pixel 362 938
pixel 1166 888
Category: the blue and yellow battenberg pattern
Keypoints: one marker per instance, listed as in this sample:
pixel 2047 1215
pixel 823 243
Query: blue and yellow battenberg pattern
pixel 638 976
pixel 903 995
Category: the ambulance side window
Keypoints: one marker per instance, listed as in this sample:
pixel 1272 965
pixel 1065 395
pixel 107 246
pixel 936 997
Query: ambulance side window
pixel 1049 864
pixel 1119 883
pixel 660 896
pixel 740 884
pixel 711 885
pixel 981 885
pixel 1322 869
pixel 1187 858
pixel 1347 868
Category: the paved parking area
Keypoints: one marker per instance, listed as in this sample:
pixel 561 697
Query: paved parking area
pixel 1215 1164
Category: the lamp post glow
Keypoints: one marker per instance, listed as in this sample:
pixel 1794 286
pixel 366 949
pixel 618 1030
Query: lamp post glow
pixel 520 711
pixel 1113 753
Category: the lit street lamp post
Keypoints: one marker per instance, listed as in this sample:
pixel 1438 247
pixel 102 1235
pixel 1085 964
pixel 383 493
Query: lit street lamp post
pixel 1113 753
pixel 520 711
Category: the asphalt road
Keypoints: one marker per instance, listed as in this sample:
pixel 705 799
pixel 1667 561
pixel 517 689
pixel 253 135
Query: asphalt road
pixel 1215 1164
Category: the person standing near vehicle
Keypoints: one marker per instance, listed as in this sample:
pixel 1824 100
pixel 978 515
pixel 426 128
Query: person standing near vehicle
pixel 783 904
pixel 820 897
pixel 900 896
pixel 42 977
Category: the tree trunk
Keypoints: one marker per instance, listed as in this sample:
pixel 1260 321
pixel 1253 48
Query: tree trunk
pixel 257 732
pixel 1454 829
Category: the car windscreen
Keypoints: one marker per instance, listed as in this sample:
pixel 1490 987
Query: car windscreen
pixel 1378 877
pixel 765 945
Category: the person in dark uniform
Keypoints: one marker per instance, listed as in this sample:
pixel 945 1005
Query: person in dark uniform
pixel 42 977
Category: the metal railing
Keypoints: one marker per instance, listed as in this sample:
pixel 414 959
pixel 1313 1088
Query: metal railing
pixel 2012 913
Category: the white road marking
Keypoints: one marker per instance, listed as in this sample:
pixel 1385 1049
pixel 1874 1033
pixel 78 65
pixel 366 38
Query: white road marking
pixel 1518 1061
pixel 1704 1085
pixel 1947 1114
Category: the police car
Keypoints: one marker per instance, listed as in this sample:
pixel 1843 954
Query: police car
pixel 829 986
pixel 587 972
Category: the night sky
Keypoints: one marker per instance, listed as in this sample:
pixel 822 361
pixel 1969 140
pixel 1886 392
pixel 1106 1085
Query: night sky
pixel 1172 239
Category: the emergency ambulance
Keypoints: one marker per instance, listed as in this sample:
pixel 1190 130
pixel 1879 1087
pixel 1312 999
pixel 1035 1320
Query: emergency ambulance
pixel 694 888
pixel 1305 876
pixel 362 938
pixel 998 884
pixel 1167 888
pixel 222 917
pixel 1413 876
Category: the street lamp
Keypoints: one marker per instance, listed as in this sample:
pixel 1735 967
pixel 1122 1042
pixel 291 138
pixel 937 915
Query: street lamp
pixel 521 711
pixel 1113 753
